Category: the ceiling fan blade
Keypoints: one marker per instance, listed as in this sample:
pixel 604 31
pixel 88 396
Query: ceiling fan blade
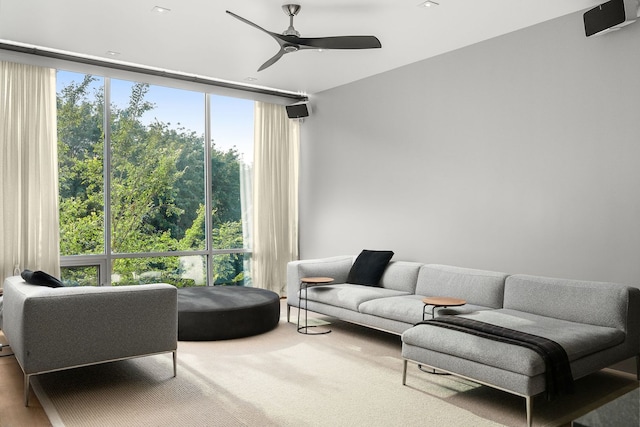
pixel 341 42
pixel 273 60
pixel 246 21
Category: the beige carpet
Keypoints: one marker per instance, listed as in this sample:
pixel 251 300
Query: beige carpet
pixel 350 377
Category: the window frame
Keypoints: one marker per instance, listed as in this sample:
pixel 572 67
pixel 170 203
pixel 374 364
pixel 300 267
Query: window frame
pixel 105 260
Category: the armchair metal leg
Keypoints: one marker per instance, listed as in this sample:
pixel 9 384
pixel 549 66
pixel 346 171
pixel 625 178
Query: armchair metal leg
pixel 175 363
pixel 27 385
pixel 529 403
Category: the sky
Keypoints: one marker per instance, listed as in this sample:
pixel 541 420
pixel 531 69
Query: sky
pixel 231 118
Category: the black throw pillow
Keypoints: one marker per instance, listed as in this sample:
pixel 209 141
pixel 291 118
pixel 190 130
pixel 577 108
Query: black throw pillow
pixel 41 278
pixel 369 267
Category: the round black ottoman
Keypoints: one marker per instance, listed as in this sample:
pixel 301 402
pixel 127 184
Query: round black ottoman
pixel 210 313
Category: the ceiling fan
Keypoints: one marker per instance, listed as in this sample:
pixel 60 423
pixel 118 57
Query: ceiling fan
pixel 290 40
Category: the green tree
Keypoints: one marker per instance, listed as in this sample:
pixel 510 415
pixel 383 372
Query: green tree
pixel 80 145
pixel 225 185
pixel 225 235
pixel 228 235
pixel 190 186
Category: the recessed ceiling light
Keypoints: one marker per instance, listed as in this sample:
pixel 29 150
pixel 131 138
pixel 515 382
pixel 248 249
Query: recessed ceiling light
pixel 160 9
pixel 429 3
pixel 112 53
pixel 250 79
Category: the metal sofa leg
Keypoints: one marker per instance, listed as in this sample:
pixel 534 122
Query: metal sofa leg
pixel 288 313
pixel 529 403
pixel 404 373
pixel 27 385
pixel 175 363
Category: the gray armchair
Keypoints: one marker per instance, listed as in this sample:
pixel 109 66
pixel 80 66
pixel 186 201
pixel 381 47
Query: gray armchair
pixel 51 329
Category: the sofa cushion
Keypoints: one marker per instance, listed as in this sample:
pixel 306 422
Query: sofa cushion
pixel 479 287
pixel 403 308
pixel 335 267
pixel 409 308
pixel 347 296
pixel 597 303
pixel 578 340
pixel 41 278
pixel 401 276
pixel 368 267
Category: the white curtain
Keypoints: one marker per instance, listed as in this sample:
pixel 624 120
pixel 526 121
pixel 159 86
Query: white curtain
pixel 275 195
pixel 29 231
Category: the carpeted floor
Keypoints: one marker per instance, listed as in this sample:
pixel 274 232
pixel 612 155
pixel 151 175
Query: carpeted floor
pixel 350 377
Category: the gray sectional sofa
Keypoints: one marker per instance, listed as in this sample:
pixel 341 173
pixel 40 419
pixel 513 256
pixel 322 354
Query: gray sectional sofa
pixel 597 324
pixel 52 329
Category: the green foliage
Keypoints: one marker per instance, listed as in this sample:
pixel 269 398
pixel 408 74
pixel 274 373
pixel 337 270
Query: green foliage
pixel 228 235
pixel 80 276
pixel 172 278
pixel 82 230
pixel 226 268
pixel 225 188
pixel 144 176
pixel 157 188
pixel 194 236
pixel 80 146
pixel 189 188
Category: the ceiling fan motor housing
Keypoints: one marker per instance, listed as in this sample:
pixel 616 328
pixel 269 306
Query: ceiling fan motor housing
pixel 291 9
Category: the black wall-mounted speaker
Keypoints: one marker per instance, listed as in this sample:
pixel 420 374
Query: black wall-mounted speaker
pixel 298 110
pixel 610 16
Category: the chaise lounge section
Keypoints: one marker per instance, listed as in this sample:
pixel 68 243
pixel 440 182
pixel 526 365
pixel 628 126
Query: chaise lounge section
pixel 597 324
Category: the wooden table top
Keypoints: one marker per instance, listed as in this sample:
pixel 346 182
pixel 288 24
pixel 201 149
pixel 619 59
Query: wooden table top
pixel 316 280
pixel 444 301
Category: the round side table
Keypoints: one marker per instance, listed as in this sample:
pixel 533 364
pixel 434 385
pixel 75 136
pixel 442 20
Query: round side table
pixel 436 302
pixel 306 283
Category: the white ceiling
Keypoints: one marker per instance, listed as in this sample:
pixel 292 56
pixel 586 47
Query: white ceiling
pixel 198 37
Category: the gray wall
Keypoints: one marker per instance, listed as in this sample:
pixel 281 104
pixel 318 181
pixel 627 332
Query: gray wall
pixel 519 154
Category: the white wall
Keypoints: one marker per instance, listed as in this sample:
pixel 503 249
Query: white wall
pixel 519 154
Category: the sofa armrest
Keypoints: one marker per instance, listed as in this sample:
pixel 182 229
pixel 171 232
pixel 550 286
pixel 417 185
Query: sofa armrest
pixel 336 267
pixel 51 329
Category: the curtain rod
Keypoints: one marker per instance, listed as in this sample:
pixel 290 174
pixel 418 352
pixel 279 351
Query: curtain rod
pixel 149 71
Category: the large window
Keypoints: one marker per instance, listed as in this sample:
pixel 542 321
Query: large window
pixel 140 168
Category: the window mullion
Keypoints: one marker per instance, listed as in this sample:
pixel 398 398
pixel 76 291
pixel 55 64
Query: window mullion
pixel 105 275
pixel 208 222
